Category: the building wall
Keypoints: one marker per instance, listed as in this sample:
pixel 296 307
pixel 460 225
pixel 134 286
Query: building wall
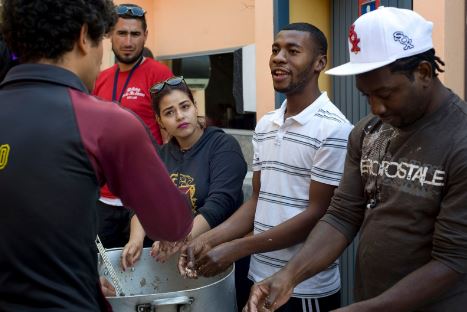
pixel 200 26
pixel 264 36
pixel 185 27
pixel 318 13
pixel 448 17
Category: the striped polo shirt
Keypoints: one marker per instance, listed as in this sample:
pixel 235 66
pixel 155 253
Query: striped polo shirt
pixel 308 146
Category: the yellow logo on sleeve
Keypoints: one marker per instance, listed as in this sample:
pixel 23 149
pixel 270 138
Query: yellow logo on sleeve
pixel 4 152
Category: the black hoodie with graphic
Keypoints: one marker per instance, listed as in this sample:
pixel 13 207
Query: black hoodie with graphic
pixel 211 173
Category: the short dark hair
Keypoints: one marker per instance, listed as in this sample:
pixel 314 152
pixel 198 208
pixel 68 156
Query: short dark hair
pixel 130 16
pixel 407 65
pixel 315 33
pixel 36 29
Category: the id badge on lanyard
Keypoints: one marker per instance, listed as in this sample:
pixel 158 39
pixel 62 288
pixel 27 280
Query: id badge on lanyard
pixel 117 72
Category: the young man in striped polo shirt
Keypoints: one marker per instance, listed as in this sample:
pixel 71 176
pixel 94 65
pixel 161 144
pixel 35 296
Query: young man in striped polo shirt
pixel 299 152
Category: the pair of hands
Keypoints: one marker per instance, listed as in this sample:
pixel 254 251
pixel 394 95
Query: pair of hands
pixel 196 258
pixel 199 258
pixel 161 251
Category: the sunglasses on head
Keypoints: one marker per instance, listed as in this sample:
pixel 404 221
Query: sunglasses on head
pixel 130 10
pixel 174 81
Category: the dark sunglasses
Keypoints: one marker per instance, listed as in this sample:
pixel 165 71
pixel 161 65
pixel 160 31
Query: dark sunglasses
pixel 174 81
pixel 130 10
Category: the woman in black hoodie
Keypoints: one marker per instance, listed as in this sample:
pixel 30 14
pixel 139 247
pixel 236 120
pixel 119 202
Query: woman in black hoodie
pixel 205 163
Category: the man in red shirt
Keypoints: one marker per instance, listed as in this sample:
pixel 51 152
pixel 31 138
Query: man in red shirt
pixel 127 83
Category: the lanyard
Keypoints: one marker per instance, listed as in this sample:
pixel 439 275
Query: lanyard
pixel 114 90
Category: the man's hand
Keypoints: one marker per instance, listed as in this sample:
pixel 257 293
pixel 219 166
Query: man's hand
pixel 190 254
pixel 269 294
pixel 106 287
pixel 131 253
pixel 217 260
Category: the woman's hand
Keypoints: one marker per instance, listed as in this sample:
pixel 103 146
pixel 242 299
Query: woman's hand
pixel 131 253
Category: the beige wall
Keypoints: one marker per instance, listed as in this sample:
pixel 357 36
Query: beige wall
pixel 205 26
pixel 264 35
pixel 318 13
pixel 197 26
pixel 448 17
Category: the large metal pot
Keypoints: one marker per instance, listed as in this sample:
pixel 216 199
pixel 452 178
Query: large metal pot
pixel 153 286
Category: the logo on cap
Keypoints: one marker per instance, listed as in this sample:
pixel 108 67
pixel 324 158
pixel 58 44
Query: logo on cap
pixel 403 39
pixel 354 40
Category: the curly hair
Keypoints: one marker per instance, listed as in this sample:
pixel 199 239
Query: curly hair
pixel 7 60
pixel 37 29
pixel 407 65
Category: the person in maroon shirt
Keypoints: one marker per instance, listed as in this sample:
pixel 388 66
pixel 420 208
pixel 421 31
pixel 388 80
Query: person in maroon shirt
pixel 58 144
pixel 127 83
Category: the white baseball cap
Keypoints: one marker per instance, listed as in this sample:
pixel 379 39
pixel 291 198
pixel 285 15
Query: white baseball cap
pixel 383 36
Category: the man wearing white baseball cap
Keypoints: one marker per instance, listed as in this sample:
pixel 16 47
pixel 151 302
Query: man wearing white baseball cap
pixel 404 183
